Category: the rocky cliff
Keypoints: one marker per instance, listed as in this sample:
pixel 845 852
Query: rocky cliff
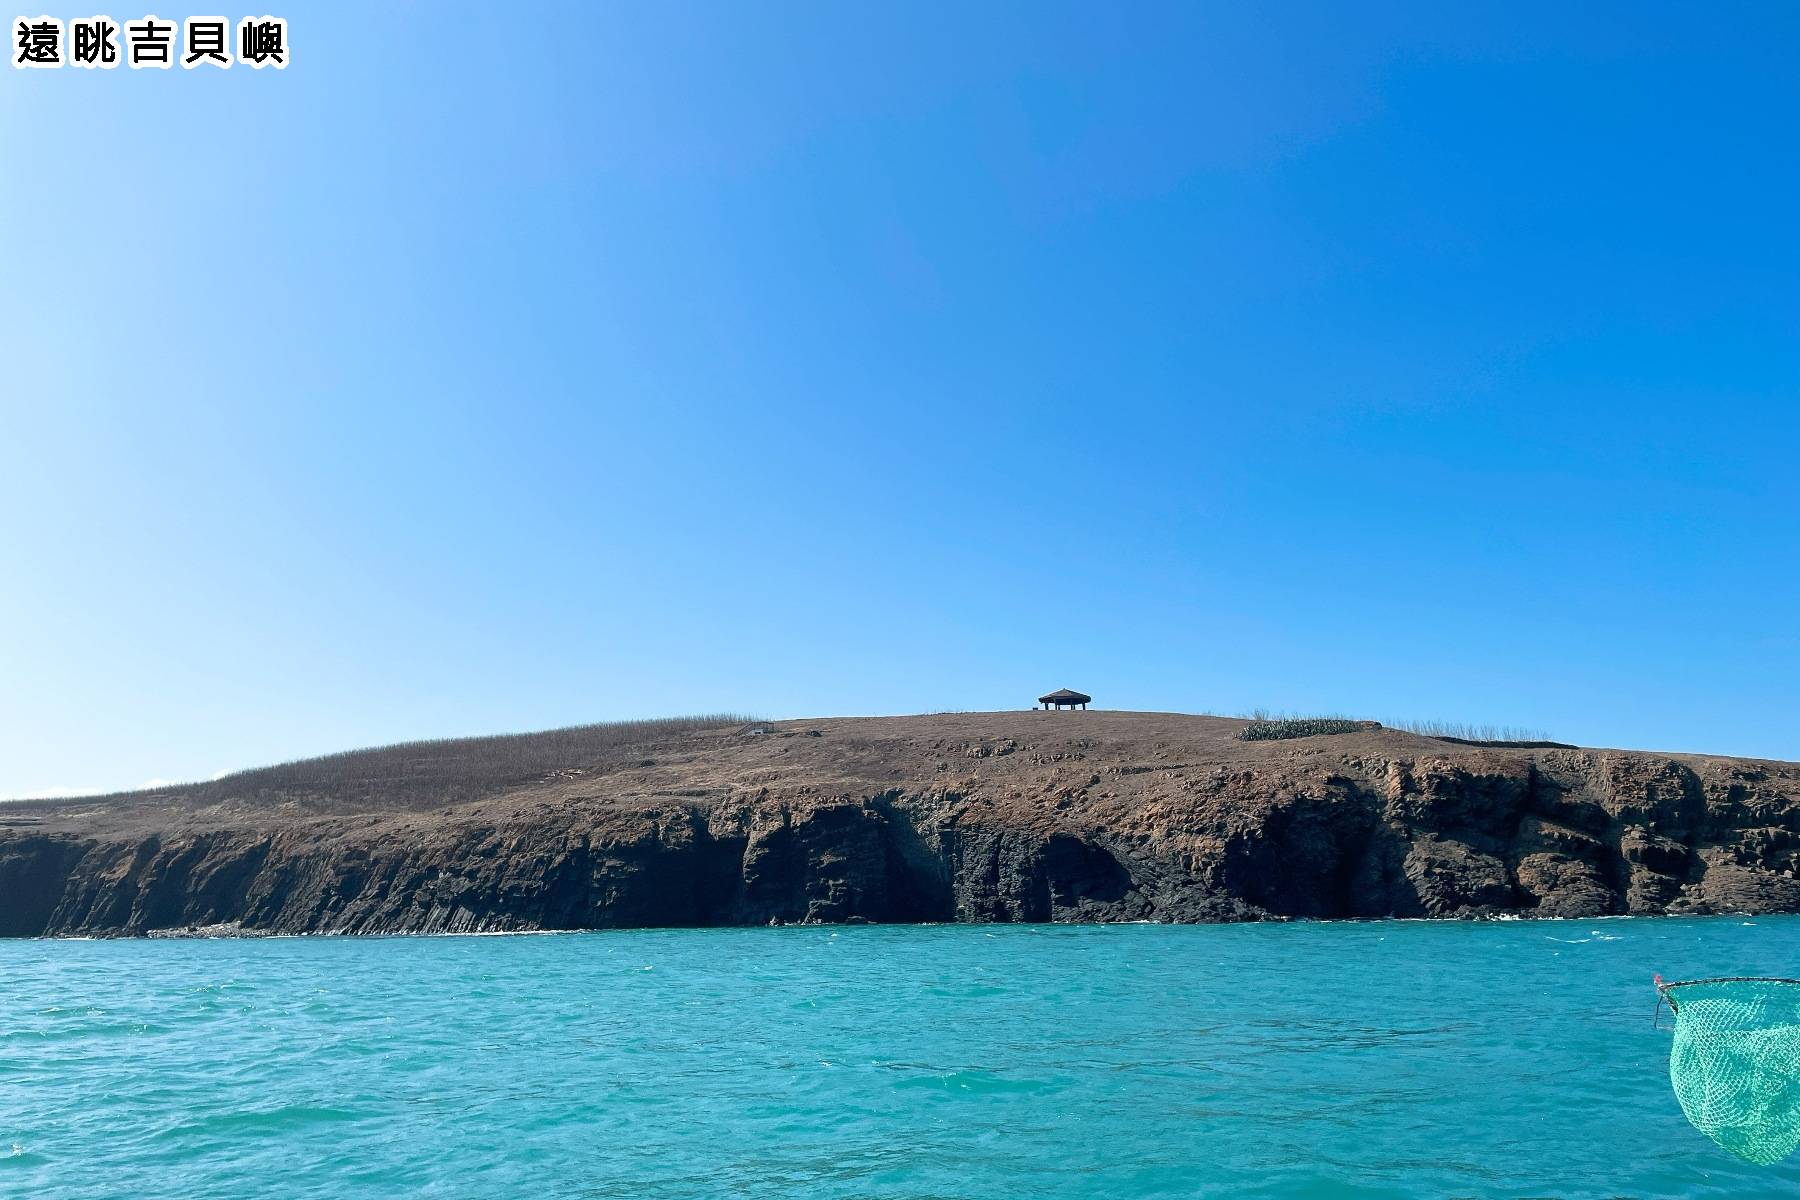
pixel 1029 816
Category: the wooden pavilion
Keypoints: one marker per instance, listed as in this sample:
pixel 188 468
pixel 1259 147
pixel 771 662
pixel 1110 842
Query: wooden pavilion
pixel 1064 698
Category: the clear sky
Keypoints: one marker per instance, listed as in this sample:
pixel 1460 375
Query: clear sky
pixel 507 367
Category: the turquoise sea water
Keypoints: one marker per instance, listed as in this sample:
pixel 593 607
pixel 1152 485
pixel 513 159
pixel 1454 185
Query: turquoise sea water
pixel 1360 1060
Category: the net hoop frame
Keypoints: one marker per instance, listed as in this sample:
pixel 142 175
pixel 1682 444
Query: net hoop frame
pixel 1664 987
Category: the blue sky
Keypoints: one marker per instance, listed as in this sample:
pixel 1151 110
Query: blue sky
pixel 500 368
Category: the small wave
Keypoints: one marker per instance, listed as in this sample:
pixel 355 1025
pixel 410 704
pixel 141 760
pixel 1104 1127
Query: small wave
pixel 973 1081
pixel 270 1120
pixel 18 1156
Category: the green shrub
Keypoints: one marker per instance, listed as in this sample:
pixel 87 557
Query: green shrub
pixel 1299 727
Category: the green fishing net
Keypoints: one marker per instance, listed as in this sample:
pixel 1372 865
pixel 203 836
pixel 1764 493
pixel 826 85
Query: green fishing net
pixel 1735 1063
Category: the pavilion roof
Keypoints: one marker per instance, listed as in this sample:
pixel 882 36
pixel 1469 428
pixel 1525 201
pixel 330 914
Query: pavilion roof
pixel 1066 696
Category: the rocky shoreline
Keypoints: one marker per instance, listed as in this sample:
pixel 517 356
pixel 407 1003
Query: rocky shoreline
pixel 1031 816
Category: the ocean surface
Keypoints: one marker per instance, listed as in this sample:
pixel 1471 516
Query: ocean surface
pixel 1339 1060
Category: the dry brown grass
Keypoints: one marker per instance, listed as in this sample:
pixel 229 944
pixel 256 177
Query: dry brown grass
pixel 443 770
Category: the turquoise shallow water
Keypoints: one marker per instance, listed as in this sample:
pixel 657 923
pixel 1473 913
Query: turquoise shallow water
pixel 1360 1060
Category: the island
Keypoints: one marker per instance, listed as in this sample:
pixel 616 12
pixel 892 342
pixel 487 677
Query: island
pixel 1032 816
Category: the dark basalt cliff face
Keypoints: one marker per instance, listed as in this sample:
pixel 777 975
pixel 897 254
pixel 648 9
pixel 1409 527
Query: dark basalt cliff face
pixel 972 817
